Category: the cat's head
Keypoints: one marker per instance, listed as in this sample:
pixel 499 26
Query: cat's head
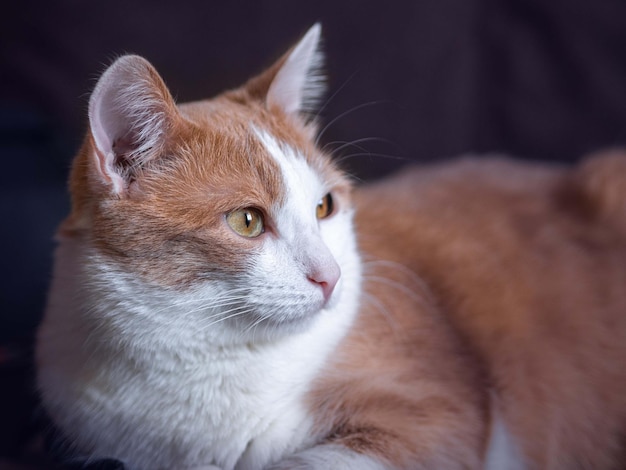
pixel 225 201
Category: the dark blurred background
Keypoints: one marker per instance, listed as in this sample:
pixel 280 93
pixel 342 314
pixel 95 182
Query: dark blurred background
pixel 413 80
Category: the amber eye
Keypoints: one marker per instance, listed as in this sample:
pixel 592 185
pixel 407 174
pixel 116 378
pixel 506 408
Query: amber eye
pixel 246 222
pixel 324 207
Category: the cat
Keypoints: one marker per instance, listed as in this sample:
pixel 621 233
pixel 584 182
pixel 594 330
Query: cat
pixel 223 296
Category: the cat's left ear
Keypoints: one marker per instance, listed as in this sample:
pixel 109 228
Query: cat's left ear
pixel 296 83
pixel 131 116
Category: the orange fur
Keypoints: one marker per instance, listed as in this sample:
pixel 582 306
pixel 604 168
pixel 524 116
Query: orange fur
pixel 521 283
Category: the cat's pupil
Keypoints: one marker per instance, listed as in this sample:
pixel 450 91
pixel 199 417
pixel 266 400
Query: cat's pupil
pixel 246 222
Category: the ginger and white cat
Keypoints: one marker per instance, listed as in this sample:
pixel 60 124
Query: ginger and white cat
pixel 214 305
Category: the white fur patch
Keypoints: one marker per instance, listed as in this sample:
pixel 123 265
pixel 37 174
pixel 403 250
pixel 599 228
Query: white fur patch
pixel 317 245
pixel 502 452
pixel 330 457
pixel 302 185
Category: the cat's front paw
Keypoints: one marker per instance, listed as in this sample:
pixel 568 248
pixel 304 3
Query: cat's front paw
pixel 324 457
pixel 204 467
pixel 293 463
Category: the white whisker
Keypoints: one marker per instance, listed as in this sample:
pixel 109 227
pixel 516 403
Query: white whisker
pixel 384 312
pixel 354 143
pixel 342 115
pixel 370 154
pixel 335 93
pixel 232 315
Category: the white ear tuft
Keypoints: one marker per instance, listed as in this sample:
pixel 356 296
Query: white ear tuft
pixel 299 83
pixel 130 114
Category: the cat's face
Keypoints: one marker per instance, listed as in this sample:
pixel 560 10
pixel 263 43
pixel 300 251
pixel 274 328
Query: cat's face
pixel 226 204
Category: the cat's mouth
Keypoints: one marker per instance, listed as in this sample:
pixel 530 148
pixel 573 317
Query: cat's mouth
pixel 288 319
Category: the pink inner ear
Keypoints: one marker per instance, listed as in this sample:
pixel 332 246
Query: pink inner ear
pixel 130 112
pixel 106 169
pixel 298 84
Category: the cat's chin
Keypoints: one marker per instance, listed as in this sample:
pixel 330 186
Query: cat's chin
pixel 272 327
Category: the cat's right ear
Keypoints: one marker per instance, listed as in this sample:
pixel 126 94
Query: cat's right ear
pixel 294 84
pixel 131 114
pixel 298 84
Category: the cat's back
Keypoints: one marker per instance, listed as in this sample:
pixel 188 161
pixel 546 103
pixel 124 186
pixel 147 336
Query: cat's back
pixel 476 217
pixel 528 263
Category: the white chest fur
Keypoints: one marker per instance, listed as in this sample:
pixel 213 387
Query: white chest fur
pixel 130 377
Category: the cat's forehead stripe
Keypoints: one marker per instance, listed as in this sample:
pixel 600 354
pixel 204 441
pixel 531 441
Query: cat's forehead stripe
pixel 295 169
pixel 302 184
pixel 282 154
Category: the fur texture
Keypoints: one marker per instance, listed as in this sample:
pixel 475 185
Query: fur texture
pixel 470 315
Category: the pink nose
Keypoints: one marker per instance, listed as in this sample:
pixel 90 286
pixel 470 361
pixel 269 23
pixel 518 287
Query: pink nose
pixel 326 278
